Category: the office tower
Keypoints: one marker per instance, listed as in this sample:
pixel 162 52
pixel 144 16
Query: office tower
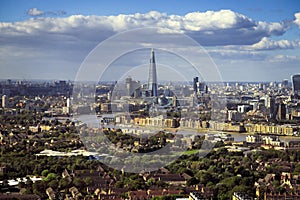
pixel 272 107
pixel 285 83
pixel 206 89
pixel 269 103
pixel 262 86
pixel 66 109
pixel 281 112
pixel 133 88
pixel 128 86
pixel 195 85
pixel 3 101
pixel 175 101
pixel 202 87
pixel 152 78
pixel 296 84
pixel 68 102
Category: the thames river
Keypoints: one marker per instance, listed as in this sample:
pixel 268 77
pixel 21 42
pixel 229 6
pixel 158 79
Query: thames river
pixel 93 121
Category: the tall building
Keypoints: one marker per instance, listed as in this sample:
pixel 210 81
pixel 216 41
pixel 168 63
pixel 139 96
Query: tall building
pixel 285 83
pixel 296 84
pixel 195 85
pixel 175 101
pixel 66 109
pixel 132 87
pixel 68 102
pixel 152 78
pixel 281 112
pixel 3 101
pixel 128 86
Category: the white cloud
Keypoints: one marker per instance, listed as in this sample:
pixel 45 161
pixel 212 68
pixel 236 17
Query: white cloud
pixel 236 55
pixel 35 12
pixel 284 58
pixel 223 27
pixel 297 19
pixel 267 44
pixel 210 20
pixel 59 43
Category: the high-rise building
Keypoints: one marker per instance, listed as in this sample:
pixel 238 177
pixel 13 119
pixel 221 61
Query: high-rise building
pixel 68 102
pixel 281 112
pixel 66 109
pixel 175 101
pixel 132 87
pixel 296 84
pixel 152 78
pixel 3 101
pixel 199 87
pixel 285 83
pixel 195 85
pixel 128 86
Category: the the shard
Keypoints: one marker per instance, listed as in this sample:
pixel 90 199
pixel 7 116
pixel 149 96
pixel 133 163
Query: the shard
pixel 152 78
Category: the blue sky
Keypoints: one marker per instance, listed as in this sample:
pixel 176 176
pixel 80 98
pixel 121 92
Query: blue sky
pixel 248 40
pixel 269 10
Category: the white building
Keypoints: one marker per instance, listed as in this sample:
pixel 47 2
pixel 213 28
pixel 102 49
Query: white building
pixel 4 99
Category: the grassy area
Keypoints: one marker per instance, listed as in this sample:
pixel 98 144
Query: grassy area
pixel 190 152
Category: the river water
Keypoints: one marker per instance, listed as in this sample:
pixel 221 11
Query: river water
pixel 93 122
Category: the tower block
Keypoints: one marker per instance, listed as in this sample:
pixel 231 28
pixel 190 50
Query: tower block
pixel 152 77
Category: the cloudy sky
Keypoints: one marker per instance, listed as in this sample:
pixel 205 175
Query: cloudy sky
pixel 249 40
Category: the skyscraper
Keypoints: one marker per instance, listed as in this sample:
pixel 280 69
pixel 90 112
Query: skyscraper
pixel 195 85
pixel 285 83
pixel 4 101
pixel 152 78
pixel 281 112
pixel 296 84
pixel 128 86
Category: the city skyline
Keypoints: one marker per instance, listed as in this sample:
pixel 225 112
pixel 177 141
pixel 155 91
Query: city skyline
pixel 255 41
pixel 194 99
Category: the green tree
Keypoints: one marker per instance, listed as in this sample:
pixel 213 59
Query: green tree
pixel 87 181
pixel 53 183
pixel 45 172
pixel 119 184
pixel 192 181
pixel 50 177
pixel 64 183
pixel 78 182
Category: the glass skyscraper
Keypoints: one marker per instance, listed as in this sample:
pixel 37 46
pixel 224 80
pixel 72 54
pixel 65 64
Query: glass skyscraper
pixel 152 78
pixel 296 84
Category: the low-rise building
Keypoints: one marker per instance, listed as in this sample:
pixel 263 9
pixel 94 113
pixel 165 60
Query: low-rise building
pixel 241 196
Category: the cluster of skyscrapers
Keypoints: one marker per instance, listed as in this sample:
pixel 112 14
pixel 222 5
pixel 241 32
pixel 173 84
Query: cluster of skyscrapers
pixel 136 89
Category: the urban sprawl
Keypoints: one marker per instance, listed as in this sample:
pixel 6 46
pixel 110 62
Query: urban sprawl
pixel 252 129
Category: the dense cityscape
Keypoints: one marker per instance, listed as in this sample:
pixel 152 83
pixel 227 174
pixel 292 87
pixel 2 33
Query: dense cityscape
pixel 232 140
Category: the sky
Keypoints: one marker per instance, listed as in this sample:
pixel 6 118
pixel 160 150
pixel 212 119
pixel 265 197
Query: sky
pixel 248 40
